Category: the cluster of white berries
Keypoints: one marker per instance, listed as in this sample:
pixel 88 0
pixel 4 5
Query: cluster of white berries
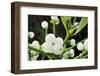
pixel 53 44
pixel 55 19
pixel 68 54
pixel 82 46
pixel 36 45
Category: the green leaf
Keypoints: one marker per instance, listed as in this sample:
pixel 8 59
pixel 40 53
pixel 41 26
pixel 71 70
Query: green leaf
pixel 81 25
pixel 63 19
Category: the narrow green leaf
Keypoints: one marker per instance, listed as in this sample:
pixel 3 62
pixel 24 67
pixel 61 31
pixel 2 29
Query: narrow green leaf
pixel 63 19
pixel 81 25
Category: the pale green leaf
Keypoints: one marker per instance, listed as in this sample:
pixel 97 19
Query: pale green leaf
pixel 63 19
pixel 81 25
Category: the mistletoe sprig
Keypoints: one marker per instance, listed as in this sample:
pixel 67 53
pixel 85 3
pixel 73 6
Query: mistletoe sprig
pixel 55 47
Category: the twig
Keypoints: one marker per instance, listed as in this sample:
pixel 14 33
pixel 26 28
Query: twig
pixel 41 51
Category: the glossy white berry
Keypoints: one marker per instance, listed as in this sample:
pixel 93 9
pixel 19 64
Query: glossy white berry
pixel 80 46
pixel 31 34
pixel 72 52
pixel 47 48
pixel 35 44
pixel 57 49
pixel 50 38
pixel 66 55
pixel 59 41
pixel 55 19
pixel 44 24
pixel 72 42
